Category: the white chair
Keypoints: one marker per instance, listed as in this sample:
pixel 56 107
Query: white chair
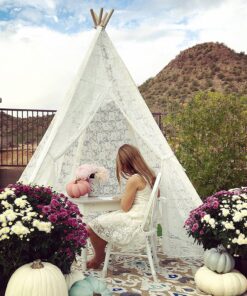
pixel 149 226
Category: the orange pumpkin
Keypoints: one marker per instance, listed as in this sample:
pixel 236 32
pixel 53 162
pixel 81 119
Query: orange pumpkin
pixel 77 188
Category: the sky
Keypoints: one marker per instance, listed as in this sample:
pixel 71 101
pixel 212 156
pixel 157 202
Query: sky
pixel 43 42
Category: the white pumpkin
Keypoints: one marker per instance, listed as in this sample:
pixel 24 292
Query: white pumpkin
pixel 36 279
pixel 73 277
pixel 227 284
pixel 218 260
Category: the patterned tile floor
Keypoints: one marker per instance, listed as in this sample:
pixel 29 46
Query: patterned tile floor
pixel 132 274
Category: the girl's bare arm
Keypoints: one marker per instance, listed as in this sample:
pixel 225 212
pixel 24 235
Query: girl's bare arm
pixel 129 194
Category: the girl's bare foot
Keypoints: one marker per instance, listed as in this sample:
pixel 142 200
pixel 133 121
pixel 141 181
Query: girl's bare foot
pixel 95 263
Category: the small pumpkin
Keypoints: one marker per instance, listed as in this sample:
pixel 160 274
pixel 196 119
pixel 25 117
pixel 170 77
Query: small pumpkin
pixel 227 284
pixel 218 260
pixel 77 188
pixel 73 277
pixel 88 287
pixel 37 278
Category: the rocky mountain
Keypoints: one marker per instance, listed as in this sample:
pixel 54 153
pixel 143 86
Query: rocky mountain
pixel 203 67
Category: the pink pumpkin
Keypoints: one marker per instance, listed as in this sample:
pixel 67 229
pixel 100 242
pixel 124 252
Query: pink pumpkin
pixel 77 188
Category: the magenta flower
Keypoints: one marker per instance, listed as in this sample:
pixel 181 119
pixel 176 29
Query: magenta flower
pixel 63 214
pixel 194 227
pixel 73 222
pixel 52 218
pixel 215 205
pixel 46 209
pixel 55 203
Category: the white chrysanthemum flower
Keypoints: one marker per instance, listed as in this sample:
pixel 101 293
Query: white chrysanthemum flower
pixel 211 221
pixel 242 240
pixel 237 217
pixel 244 213
pixel 42 226
pixel 10 215
pixel 6 205
pixel 3 237
pixel 9 191
pixel 19 229
pixel 26 218
pixel 32 214
pixel 3 218
pixel 20 202
pixel 206 217
pixel 228 225
pixel 238 231
pixel 3 195
pixel 225 212
pixel 4 230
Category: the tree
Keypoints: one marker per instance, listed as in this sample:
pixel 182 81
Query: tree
pixel 210 140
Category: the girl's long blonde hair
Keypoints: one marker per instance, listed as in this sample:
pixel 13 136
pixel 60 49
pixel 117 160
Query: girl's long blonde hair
pixel 129 161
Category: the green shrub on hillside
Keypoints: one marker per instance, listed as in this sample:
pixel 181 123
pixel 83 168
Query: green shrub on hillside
pixel 210 141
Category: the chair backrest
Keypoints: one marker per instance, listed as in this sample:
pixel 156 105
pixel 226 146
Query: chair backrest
pixel 148 221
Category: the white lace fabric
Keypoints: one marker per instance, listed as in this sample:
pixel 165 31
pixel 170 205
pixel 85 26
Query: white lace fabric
pixel 102 111
pixel 123 229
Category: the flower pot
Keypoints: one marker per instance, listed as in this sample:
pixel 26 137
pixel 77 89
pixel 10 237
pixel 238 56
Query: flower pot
pixel 241 265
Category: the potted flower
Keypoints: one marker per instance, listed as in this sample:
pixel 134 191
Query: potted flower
pixel 222 220
pixel 93 174
pixel 38 223
pixel 87 171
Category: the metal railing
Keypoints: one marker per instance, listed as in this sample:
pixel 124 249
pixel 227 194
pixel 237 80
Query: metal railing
pixel 21 131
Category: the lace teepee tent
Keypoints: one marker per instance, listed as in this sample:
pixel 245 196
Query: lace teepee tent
pixel 102 111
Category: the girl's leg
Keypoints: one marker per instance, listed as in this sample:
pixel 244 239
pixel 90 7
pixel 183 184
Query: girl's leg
pixel 99 249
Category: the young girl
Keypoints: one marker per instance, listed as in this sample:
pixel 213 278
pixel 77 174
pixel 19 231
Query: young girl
pixel 123 227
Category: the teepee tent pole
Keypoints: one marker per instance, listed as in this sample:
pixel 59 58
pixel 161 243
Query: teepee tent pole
pixel 100 16
pixel 93 17
pixel 96 17
pixel 103 19
pixel 108 18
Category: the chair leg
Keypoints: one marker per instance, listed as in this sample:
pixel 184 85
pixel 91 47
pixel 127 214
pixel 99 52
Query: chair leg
pixel 154 250
pixel 150 259
pixel 107 257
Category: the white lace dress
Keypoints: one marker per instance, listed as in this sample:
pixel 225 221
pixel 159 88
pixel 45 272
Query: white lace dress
pixel 123 229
